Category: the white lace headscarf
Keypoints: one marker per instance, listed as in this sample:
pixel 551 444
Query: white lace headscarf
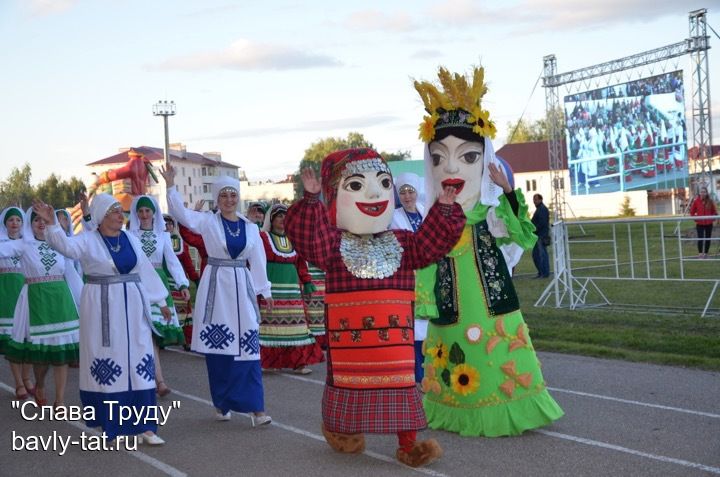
pixel 101 203
pixel 223 182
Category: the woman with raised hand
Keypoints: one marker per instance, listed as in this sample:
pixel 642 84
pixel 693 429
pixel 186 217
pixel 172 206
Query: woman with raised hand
pixel 45 328
pixel 147 224
pixel 227 316
pixel 11 282
pixel 117 367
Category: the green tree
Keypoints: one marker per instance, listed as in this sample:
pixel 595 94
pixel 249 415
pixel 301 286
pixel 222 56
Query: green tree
pixel 625 209
pixel 395 156
pixel 16 189
pixel 59 193
pixel 529 131
pixel 320 149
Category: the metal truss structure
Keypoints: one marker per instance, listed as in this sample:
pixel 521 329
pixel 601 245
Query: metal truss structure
pixel 696 46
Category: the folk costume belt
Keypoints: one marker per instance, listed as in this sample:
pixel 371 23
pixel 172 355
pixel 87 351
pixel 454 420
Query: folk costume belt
pixel 48 278
pixel 226 262
pixel 105 282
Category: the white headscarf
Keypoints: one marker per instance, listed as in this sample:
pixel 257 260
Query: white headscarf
pixel 169 217
pixel 70 231
pixel 3 228
pixel 267 224
pixel 414 181
pixel 408 178
pixel 101 203
pixel 223 182
pixel 27 225
pixel 158 220
pixel 489 191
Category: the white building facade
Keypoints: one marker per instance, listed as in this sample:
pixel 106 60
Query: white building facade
pixel 194 173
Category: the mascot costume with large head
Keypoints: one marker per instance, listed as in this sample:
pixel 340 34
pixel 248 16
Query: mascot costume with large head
pixel 482 377
pixel 369 298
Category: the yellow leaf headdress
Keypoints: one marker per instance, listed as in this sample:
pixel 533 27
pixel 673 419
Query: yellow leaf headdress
pixel 458 105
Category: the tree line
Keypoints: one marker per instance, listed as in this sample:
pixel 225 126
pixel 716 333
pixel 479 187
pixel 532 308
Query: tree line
pixel 320 149
pixel 17 190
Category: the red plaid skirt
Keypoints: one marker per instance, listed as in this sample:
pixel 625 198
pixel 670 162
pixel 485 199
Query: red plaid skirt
pixel 379 411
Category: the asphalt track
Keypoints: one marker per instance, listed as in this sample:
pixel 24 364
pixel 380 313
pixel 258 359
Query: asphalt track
pixel 622 418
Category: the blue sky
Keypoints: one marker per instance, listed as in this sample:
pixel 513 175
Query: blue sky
pixel 261 81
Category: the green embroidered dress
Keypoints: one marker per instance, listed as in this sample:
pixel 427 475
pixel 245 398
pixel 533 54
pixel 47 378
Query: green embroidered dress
pixel 482 377
pixel 45 326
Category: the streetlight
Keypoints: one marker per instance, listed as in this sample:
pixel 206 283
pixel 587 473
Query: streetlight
pixel 165 109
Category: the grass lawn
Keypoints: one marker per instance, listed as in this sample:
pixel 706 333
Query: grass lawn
pixel 670 331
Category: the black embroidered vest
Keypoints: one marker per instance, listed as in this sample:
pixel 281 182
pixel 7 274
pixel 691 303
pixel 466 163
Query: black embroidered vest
pixel 497 284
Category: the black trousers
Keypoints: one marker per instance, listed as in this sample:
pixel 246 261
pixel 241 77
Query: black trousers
pixel 704 232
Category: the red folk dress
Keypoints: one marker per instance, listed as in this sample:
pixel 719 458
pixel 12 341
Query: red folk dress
pixel 370 383
pixel 285 337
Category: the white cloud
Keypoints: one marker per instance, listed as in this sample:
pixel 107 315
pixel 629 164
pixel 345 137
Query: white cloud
pixel 352 123
pixel 376 20
pixel 542 15
pixel 246 55
pixel 428 54
pixel 212 10
pixel 50 7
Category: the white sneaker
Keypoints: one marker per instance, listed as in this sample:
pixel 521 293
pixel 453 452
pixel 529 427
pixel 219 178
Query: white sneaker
pixel 222 417
pixel 150 439
pixel 258 421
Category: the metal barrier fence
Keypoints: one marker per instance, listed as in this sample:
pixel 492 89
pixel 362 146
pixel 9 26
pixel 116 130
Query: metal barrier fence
pixel 590 257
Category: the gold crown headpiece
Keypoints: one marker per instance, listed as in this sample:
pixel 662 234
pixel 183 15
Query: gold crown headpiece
pixel 458 105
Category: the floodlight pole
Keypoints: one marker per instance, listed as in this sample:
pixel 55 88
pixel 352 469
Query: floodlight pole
pixel 165 109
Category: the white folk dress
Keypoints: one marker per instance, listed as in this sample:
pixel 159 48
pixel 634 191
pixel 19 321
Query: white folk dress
pixel 227 318
pixel 226 321
pixel 116 350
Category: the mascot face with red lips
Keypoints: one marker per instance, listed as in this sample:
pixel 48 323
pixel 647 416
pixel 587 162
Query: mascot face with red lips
pixel 364 199
pixel 458 163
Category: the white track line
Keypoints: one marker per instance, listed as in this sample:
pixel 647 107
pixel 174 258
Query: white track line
pixel 605 445
pixel 560 390
pixel 141 456
pixel 583 440
pixel 317 437
pixel 637 403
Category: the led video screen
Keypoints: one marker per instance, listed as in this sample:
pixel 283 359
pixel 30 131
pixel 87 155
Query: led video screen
pixel 629 136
